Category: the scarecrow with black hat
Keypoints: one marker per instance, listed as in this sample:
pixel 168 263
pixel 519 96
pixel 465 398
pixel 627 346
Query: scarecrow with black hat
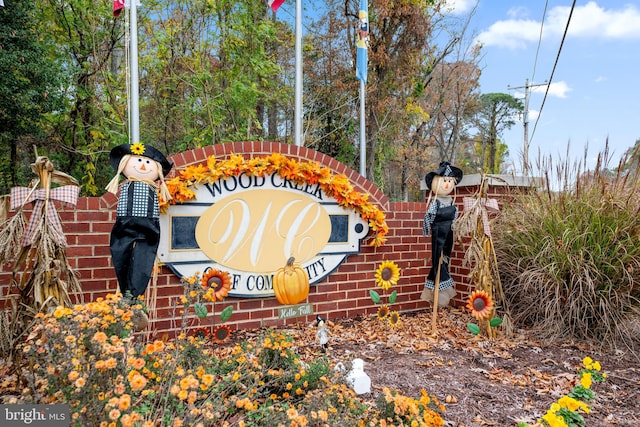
pixel 136 233
pixel 438 223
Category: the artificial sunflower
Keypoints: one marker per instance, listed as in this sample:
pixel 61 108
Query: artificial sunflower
pixel 383 312
pixel 201 333
pixel 387 274
pixel 137 149
pixel 394 319
pixel 218 281
pixel 480 304
pixel 221 334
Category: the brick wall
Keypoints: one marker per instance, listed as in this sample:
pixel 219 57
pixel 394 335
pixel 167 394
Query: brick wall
pixel 345 293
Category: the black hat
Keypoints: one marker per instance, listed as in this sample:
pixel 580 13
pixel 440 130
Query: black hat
pixel 445 169
pixel 138 149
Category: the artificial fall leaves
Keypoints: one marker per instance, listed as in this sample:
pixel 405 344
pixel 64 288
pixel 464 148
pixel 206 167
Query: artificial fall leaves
pixel 337 186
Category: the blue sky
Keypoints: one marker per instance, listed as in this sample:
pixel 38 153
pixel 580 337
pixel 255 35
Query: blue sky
pixel 594 92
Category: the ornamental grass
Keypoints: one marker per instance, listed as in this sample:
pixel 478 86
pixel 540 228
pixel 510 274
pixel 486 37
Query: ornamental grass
pixel 569 253
pixel 88 357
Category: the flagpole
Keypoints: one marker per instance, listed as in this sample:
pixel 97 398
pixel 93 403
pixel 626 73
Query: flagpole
pixel 134 115
pixel 361 74
pixel 363 137
pixel 298 82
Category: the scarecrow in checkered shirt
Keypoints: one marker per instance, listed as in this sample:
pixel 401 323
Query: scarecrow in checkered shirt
pixel 438 223
pixel 136 233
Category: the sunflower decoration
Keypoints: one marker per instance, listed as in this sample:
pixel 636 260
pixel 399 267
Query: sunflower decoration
pixel 387 274
pixel 217 283
pixel 221 334
pixel 481 305
pixel 383 312
pixel 394 319
pixel 202 333
pixel 137 149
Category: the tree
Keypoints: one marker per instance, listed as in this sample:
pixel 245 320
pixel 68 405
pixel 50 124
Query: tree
pixel 30 87
pixel 496 114
pixel 85 41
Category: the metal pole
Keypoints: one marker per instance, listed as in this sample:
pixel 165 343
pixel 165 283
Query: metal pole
pixel 525 121
pixel 298 89
pixel 134 124
pixel 363 136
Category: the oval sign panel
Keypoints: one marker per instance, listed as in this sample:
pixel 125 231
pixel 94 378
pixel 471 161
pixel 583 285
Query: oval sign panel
pixel 260 229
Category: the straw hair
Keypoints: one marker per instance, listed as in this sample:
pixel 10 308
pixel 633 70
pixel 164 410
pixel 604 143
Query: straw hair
pixel 112 187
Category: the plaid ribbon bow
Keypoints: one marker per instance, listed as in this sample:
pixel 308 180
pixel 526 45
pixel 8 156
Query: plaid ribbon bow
pixel 67 195
pixel 491 204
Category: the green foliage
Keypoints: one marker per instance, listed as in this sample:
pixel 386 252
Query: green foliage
pixel 393 297
pixel 226 313
pixel 569 257
pixel 473 328
pixel 30 87
pixel 495 322
pixel 375 296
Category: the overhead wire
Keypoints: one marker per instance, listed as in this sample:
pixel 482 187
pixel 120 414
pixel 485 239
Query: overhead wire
pixel 553 70
pixel 535 61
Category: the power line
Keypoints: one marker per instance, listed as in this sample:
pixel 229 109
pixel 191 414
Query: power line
pixel 535 61
pixel 546 92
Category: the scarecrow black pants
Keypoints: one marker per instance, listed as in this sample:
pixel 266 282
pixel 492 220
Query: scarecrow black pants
pixel 134 244
pixel 441 245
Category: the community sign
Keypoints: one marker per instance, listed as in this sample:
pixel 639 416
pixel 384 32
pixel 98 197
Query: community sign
pixel 249 226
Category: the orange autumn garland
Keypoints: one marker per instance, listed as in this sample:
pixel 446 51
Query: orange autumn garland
pixel 336 186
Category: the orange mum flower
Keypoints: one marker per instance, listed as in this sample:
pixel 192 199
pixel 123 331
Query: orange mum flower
pixel 480 304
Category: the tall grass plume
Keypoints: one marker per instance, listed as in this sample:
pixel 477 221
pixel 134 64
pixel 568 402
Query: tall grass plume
pixel 569 252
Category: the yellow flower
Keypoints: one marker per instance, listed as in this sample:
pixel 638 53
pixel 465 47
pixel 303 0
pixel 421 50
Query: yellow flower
pixel 573 404
pixel 585 380
pixel 387 274
pixel 137 149
pixel 383 312
pixel 394 318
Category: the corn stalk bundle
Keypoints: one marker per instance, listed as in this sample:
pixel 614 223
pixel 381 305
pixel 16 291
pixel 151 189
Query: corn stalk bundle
pixel 41 271
pixel 480 255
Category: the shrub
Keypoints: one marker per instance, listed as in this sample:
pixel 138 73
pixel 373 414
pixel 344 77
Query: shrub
pixel 569 259
pixel 88 358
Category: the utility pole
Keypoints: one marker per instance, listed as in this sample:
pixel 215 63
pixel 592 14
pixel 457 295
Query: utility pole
pixel 525 120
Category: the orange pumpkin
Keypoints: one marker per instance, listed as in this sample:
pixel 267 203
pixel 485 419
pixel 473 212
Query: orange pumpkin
pixel 291 283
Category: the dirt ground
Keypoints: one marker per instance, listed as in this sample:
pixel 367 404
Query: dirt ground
pixel 482 382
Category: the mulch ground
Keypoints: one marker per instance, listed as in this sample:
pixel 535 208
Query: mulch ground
pixel 482 382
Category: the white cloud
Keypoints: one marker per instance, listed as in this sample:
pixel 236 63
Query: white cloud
pixel 461 6
pixel 558 89
pixel 513 34
pixel 587 21
pixel 600 79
